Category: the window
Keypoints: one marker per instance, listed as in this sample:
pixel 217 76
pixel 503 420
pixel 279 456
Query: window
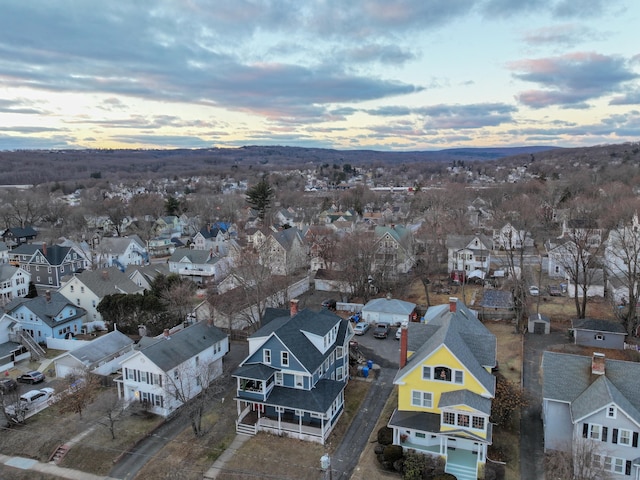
pixel 266 356
pixel 339 352
pixel 594 431
pixel 82 289
pixel 426 373
pixel 279 378
pixel 421 435
pixel 463 420
pixel 478 423
pixel 71 288
pixel 284 359
pixel 449 418
pixel 299 381
pixel 611 412
pixel 421 399
pixel 624 437
pixel 339 373
pixel 599 336
pixel 458 376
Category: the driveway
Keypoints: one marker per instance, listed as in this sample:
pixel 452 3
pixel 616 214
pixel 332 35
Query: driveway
pixel 531 430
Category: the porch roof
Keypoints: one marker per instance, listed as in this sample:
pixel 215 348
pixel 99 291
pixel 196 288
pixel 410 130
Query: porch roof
pixel 318 399
pixel 430 423
pixel 255 371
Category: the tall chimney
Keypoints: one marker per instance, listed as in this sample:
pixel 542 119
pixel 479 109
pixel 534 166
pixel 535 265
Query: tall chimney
pixel 404 344
pixel 293 306
pixel 44 248
pixel 453 301
pixel 597 363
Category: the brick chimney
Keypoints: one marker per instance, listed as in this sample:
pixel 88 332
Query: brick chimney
pixel 597 363
pixel 293 307
pixel 166 334
pixel 47 295
pixel 404 343
pixel 453 301
pixel 44 248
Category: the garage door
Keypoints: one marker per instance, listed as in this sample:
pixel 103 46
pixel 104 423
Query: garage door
pixel 538 327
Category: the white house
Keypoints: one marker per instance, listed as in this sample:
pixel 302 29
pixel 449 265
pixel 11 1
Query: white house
pixel 120 252
pixel 468 252
pixel 11 350
pixel 174 368
pixel 14 282
pixel 200 266
pixel 88 288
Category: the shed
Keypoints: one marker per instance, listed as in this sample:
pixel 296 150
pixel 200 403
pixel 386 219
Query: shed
pixel 388 310
pixel 496 305
pixel 592 332
pixel 539 323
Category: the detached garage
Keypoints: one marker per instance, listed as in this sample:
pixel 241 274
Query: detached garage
pixel 388 310
pixel 539 324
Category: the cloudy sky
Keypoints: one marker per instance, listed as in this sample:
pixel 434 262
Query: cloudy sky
pixel 347 74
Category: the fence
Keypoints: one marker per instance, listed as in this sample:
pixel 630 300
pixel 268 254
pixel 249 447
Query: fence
pixel 65 344
pixel 349 307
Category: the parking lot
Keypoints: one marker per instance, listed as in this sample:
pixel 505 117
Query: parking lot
pixel 383 351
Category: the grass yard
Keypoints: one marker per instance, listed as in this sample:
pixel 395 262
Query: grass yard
pixel 261 455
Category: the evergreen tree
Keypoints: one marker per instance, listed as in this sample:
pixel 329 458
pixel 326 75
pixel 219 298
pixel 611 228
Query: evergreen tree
pixel 32 293
pixel 259 197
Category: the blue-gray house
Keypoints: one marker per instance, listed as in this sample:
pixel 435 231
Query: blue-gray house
pixel 49 316
pixel 293 380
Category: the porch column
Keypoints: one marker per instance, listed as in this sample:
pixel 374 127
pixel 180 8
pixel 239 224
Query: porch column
pixel 279 418
pixel 300 424
pixel 443 445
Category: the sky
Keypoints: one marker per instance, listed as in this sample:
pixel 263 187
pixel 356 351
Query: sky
pixel 392 75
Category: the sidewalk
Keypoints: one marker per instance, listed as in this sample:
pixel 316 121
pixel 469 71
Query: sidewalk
pixel 48 468
pixel 230 451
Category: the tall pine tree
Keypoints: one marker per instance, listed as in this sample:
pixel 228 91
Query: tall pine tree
pixel 259 197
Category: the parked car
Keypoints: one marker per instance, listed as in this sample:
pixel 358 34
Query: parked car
pixel 381 330
pixel 31 377
pixel 8 385
pixel 534 291
pixel 361 328
pixel 555 290
pixel 399 330
pixel 329 303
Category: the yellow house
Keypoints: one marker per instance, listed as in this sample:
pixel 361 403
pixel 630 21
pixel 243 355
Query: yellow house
pixel 445 387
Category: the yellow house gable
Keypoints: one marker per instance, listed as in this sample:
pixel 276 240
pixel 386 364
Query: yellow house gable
pixel 415 390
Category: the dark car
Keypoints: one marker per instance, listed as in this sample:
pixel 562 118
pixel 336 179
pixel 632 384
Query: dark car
pixel 381 330
pixel 31 377
pixel 555 291
pixel 8 385
pixel 329 303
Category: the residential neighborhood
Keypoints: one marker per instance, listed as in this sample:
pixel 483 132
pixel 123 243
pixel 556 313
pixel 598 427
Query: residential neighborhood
pixel 290 316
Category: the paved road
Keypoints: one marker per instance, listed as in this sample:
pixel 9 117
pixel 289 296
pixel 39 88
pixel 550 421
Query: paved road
pixel 131 463
pixel 532 433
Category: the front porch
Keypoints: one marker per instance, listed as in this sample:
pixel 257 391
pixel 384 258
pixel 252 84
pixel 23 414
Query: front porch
pixel 252 419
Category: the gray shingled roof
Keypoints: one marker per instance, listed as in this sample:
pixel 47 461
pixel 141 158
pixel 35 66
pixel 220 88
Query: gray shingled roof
pixel 389 305
pixel 55 253
pixel 7 271
pixel 430 422
pixel 255 371
pixel 169 353
pixel 465 397
pixel 318 399
pixel 287 237
pixel 101 347
pixel 598 325
pixel 568 378
pixel 197 257
pixel 290 332
pixel 497 299
pixel 47 310
pixel 107 281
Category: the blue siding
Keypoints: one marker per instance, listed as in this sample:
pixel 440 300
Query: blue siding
pixel 276 348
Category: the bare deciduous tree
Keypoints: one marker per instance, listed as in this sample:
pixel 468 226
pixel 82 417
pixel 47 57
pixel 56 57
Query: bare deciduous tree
pixel 584 460
pixel 77 391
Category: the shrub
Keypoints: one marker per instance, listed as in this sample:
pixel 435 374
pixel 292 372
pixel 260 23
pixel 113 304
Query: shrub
pixel 392 453
pixel 418 466
pixel 385 436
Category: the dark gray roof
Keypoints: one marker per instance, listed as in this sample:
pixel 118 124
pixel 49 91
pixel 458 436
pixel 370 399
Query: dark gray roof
pixel 464 335
pixel 290 332
pixel 8 347
pixel 169 353
pixel 568 378
pixel 319 399
pixel 197 257
pixel 55 256
pixel 101 347
pixel 430 422
pixel 465 397
pixel 497 299
pixel 47 310
pixel 287 237
pixel 598 325
pixel 255 371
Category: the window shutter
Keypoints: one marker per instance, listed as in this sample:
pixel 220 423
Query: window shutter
pixel 585 430
pixel 627 468
pixel 605 430
pixel 614 436
pixel 635 439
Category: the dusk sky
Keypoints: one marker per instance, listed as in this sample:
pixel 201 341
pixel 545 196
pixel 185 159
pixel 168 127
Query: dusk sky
pixel 346 74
